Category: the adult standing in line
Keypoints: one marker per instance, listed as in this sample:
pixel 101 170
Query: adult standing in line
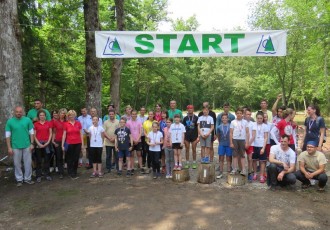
pixel 173 110
pixel 19 139
pixel 58 128
pixel 264 109
pixel 73 136
pixel 42 137
pixel 109 141
pixel 213 137
pixel 111 107
pixel 158 112
pixel 312 166
pixel 86 121
pixel 282 164
pixel 314 128
pixel 226 109
pixel 38 105
pixel 191 136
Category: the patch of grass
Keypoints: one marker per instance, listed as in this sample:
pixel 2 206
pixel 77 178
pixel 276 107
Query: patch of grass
pixel 22 203
pixel 67 192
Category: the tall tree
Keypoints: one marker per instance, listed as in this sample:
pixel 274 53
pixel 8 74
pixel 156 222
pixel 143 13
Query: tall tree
pixel 117 64
pixel 11 76
pixel 92 63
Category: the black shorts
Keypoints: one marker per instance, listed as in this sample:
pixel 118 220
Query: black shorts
pixel 176 146
pixel 190 137
pixel 137 147
pixel 96 153
pixel 257 156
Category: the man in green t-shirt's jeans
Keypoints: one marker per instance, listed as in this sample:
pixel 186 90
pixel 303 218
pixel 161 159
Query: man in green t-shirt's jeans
pixel 32 114
pixel 19 139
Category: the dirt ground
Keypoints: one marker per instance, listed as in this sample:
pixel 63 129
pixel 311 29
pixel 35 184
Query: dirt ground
pixel 141 202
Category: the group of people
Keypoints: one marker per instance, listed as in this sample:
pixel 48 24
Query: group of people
pixel 268 138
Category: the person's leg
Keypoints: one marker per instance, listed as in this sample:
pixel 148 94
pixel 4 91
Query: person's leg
pixel 175 158
pixel 262 171
pixel 116 158
pixel 179 157
pixel 144 152
pixel 273 173
pixel 59 158
pixel 322 178
pixel 167 161
pixel 38 155
pixel 194 148
pixel 222 159
pixel 152 158
pixel 289 179
pixel 221 153
pixel 18 153
pixel 77 150
pixel 27 159
pixel 187 146
pixel 139 157
pixel 69 157
pixel 120 161
pixel 90 156
pixel 46 167
pixel 157 162
pixel 99 161
pixel 242 156
pixel 108 158
pixel 129 160
pixel 302 178
pixel 148 158
pixel 162 157
pixel 228 159
pixel 202 153
pixel 211 149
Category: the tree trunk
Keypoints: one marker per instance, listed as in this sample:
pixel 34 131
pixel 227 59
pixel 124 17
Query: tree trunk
pixel 11 75
pixel 92 63
pixel 117 63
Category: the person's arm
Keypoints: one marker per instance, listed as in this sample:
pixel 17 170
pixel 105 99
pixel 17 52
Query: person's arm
pixel 131 140
pixel 36 139
pixel 82 140
pixel 217 124
pixel 53 136
pixel 140 134
pixel 211 130
pixel 274 108
pixel 322 131
pixel 253 136
pixel 8 141
pixel 182 139
pixel 31 132
pixel 49 138
pixel 262 151
pixel 199 129
pixel 274 161
pixel 116 143
pixel 231 137
pixel 63 139
pixel 102 136
pixel 319 171
pixel 247 137
pixel 148 141
pixel 273 134
pixel 294 135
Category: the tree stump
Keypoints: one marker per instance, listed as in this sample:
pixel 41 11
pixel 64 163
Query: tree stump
pixel 236 179
pixel 180 176
pixel 206 173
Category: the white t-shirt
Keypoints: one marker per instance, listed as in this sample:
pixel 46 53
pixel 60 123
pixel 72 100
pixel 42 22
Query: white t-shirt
pixel 176 131
pixel 95 136
pixel 288 156
pixel 205 123
pixel 260 130
pixel 250 125
pixel 239 129
pixel 155 137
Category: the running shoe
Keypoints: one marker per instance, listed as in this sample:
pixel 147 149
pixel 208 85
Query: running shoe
pixel 243 172
pixel 80 165
pixel 167 176
pixel 194 165
pixel 171 176
pixel 49 178
pixel 250 177
pixel 38 179
pixel 29 182
pixel 100 175
pixel 19 184
pixel 207 160
pixel 179 168
pixel 187 166
pixel 175 168
pixel 262 179
pixel 219 176
pixel 234 171
pixel 254 177
pixel 94 174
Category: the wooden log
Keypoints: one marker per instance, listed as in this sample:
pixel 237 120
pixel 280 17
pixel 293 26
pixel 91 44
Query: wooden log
pixel 206 173
pixel 180 176
pixel 236 179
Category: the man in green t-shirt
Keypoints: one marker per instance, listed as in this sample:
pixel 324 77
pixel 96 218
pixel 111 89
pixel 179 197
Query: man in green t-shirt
pixel 19 139
pixel 32 114
pixel 173 110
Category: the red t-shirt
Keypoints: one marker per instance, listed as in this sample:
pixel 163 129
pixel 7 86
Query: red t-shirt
pixel 287 128
pixel 42 130
pixel 158 116
pixel 73 132
pixel 58 125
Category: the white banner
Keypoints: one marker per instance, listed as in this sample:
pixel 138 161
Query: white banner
pixel 143 44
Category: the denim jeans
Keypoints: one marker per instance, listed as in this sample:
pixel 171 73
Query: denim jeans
pixel 110 150
pixel 169 160
pixel 322 178
pixel 272 172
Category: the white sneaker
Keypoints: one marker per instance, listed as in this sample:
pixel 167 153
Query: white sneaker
pixel 243 172
pixel 56 169
pixel 234 171
pixel 167 176
pixel 51 169
pixel 219 176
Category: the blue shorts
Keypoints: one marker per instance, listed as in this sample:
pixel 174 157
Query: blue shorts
pixel 122 153
pixel 225 150
pixel 257 156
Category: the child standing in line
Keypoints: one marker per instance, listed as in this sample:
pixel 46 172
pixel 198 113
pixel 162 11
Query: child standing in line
pixel 96 136
pixel 154 140
pixel 162 126
pixel 249 151
pixel 177 132
pixel 167 146
pixel 123 145
pixel 239 140
pixel 205 128
pixel 260 138
pixel 224 145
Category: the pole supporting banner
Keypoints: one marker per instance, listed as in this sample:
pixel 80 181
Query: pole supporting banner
pixel 144 44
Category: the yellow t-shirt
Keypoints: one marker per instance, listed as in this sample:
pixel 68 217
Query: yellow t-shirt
pixel 312 162
pixel 109 128
pixel 147 127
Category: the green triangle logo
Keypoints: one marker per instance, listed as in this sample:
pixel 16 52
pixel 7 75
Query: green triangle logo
pixel 269 45
pixel 115 47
